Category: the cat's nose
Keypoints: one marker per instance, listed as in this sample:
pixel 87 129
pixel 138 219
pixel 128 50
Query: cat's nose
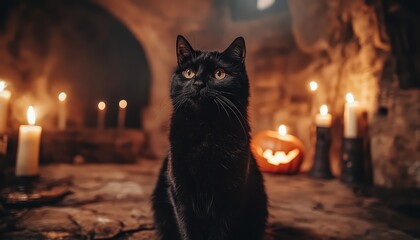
pixel 198 84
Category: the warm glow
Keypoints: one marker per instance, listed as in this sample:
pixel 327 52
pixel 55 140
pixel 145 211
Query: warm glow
pixel 123 104
pixel 349 98
pixel 2 85
pixel 280 157
pixel 101 105
pixel 324 110
pixel 282 130
pixel 62 96
pixel 31 115
pixel 264 4
pixel 313 86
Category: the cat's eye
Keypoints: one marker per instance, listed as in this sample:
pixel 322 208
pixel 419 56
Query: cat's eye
pixel 219 74
pixel 188 73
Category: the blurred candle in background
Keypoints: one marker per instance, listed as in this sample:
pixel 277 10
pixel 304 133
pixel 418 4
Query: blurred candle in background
pixel 4 106
pixel 323 119
pixel 313 86
pixel 101 115
pixel 352 115
pixel 28 146
pixel 62 111
pixel 121 113
pixel 282 130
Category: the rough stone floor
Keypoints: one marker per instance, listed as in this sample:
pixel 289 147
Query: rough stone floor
pixel 110 201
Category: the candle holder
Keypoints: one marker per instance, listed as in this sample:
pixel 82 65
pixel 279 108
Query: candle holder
pixel 32 191
pixel 3 151
pixel 321 166
pixel 352 161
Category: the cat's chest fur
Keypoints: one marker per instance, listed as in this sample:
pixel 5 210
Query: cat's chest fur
pixel 207 159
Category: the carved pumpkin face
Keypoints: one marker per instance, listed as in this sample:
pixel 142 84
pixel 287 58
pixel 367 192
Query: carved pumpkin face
pixel 277 153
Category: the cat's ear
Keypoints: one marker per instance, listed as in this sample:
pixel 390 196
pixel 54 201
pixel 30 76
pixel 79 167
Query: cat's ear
pixel 236 50
pixel 183 49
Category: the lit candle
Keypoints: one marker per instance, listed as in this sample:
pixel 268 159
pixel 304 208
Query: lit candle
pixel 122 113
pixel 323 119
pixel 282 130
pixel 4 106
pixel 62 111
pixel 28 147
pixel 352 114
pixel 313 86
pixel 101 115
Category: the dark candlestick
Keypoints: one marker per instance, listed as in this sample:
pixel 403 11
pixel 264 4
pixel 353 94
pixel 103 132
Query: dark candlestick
pixel 352 161
pixel 3 152
pixel 321 165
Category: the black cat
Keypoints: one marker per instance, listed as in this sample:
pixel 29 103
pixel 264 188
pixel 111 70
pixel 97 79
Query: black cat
pixel 209 186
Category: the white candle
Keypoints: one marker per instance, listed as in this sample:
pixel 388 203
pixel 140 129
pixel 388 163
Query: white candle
pixel 28 147
pixel 122 113
pixel 323 119
pixel 4 106
pixel 62 111
pixel 282 130
pixel 352 114
pixel 101 115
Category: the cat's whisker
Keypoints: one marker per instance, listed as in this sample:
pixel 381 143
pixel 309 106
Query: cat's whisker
pixel 244 121
pixel 227 113
pixel 217 104
pixel 233 105
pixel 222 93
pixel 240 118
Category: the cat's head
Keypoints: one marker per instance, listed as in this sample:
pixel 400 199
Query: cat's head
pixel 206 80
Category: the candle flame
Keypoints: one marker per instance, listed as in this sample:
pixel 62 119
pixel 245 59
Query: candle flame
pixel 323 110
pixel 31 115
pixel 101 105
pixel 123 104
pixel 349 98
pixel 62 96
pixel 2 85
pixel 282 130
pixel 313 86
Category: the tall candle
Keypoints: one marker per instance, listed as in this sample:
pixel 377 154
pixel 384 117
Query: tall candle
pixel 62 111
pixel 121 113
pixel 352 115
pixel 101 115
pixel 28 147
pixel 323 119
pixel 4 106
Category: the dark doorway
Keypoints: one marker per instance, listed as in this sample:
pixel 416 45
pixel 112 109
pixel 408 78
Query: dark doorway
pixel 86 52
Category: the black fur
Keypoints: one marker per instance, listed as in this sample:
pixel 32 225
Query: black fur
pixel 209 185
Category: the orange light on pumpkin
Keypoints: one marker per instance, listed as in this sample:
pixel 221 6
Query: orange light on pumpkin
pixel 277 152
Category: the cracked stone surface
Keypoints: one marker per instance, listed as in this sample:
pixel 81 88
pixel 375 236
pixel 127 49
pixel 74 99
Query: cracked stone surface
pixel 111 201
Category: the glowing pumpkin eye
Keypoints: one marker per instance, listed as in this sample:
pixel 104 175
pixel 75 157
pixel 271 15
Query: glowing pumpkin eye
pixel 219 74
pixel 188 73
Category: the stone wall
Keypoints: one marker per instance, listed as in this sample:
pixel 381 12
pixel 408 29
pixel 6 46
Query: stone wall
pixel 396 134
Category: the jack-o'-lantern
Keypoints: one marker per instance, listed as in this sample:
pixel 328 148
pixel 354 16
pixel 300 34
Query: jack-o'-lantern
pixel 277 152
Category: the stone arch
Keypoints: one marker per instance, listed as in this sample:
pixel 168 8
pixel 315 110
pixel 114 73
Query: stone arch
pixel 76 46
